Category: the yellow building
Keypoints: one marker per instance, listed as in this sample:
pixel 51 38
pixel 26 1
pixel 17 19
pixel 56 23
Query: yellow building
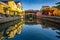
pixel 3 7
pixel 56 11
pixel 8 7
pixel 19 5
pixel 13 7
pixel 45 7
pixel 20 10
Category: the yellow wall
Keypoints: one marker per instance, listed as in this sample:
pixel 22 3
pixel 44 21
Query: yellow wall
pixel 56 11
pixel 20 9
pixel 12 8
pixel 1 8
pixel 12 5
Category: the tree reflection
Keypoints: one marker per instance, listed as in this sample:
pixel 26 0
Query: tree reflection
pixel 58 35
pixel 54 26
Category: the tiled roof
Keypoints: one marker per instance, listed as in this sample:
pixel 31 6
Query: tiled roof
pixel 4 0
pixel 3 3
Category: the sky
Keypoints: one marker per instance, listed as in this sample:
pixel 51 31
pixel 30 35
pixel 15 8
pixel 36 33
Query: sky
pixel 37 4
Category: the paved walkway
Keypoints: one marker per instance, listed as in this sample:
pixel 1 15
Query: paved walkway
pixel 52 18
pixel 58 17
pixel 7 19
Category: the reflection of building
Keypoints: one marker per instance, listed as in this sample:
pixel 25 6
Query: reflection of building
pixel 11 31
pixel 31 22
pixel 49 24
pixel 38 21
pixel 1 36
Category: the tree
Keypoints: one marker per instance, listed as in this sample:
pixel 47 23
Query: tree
pixel 58 5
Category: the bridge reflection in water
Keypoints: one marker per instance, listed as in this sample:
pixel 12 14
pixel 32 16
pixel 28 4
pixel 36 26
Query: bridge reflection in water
pixel 34 29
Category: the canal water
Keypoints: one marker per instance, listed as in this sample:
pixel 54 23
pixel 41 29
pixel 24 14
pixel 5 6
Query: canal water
pixel 38 30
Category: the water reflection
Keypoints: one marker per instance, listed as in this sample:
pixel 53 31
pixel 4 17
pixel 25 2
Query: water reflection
pixel 52 25
pixel 33 21
pixel 33 29
pixel 46 25
pixel 9 30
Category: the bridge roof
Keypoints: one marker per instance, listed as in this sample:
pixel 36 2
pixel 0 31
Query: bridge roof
pixel 31 11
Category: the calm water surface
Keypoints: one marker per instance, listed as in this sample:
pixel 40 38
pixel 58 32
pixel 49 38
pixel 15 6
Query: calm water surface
pixel 36 32
pixel 40 31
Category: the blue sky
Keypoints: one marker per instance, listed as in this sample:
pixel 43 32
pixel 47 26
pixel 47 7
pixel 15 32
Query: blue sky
pixel 37 4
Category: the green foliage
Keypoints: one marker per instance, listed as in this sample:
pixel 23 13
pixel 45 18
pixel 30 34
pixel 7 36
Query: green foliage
pixel 43 12
pixel 58 5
